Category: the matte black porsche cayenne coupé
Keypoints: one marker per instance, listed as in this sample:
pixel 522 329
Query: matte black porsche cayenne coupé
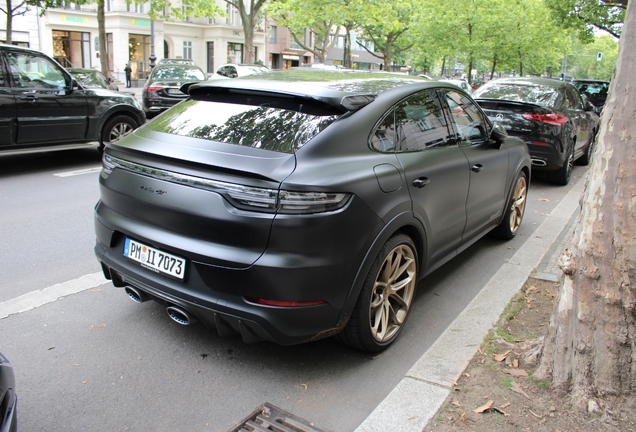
pixel 300 204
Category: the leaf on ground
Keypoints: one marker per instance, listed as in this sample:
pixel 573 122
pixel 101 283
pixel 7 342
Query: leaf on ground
pixel 457 404
pixel 516 372
pixel 502 357
pixel 467 375
pixel 483 408
pixel 506 405
pixel 543 199
pixel 517 389
pixel 515 363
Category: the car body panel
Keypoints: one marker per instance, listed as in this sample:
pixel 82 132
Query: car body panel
pixel 8 397
pixel 162 89
pixel 163 186
pixel 91 78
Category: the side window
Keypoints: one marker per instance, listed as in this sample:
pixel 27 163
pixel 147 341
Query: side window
pixel 468 118
pixel 32 71
pixel 574 99
pixel 416 123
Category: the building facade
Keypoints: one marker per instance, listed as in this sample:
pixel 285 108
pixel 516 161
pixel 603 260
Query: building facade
pixel 70 35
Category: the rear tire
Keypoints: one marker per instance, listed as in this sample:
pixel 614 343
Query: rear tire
pixel 515 210
pixel 117 128
pixel 587 157
pixel 386 297
pixel 562 175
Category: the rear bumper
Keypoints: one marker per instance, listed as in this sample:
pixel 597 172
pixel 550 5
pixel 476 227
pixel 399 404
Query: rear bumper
pixel 315 259
pixel 547 156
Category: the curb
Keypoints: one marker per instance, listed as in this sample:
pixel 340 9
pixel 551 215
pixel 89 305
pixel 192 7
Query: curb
pixel 425 387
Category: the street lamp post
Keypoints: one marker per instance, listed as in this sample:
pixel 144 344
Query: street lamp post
pixel 152 57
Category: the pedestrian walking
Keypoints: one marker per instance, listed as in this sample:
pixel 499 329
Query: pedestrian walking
pixel 127 70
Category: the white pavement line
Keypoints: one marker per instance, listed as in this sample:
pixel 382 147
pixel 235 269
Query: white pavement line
pixel 79 172
pixel 47 295
pixel 415 400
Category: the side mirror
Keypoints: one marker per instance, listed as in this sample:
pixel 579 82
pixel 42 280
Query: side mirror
pixel 498 133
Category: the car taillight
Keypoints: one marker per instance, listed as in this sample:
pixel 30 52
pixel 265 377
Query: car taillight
pixel 244 197
pixel 555 119
pixel 155 89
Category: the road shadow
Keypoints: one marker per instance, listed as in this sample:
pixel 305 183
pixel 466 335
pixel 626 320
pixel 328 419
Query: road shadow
pixel 67 160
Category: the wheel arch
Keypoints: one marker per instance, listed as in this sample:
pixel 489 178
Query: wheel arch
pixel 405 223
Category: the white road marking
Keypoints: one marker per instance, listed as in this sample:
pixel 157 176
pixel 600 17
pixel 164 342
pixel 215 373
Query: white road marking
pixel 78 172
pixel 48 295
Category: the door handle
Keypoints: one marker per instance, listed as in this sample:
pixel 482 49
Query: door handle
pixel 477 167
pixel 420 182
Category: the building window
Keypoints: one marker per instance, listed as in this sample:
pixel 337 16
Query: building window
pixel 187 13
pixel 137 8
pixel 187 49
pixel 234 52
pixel 272 34
pixel 233 16
pixel 72 49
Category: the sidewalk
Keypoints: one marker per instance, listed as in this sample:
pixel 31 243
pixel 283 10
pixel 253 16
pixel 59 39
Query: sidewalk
pixel 416 399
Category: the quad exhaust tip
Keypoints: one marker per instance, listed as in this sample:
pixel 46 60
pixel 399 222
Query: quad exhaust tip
pixel 180 316
pixel 136 295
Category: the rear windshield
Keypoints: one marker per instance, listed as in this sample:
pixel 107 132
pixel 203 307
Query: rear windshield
pixel 530 93
pixel 178 72
pixel 261 127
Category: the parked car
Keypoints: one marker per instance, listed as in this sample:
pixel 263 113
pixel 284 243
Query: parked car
pixel 288 209
pixel 162 88
pixel 241 70
pixel 176 61
pixel 8 397
pixel 92 78
pixel 595 90
pixel 553 119
pixel 44 108
pixel 462 84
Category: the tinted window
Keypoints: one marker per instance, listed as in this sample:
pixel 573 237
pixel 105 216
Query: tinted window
pixel 32 71
pixel 414 124
pixel 178 72
pixel 267 128
pixel 469 119
pixel 596 91
pixel 518 92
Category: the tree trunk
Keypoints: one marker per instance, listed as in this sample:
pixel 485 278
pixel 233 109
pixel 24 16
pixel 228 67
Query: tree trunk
pixel 494 65
pixel 9 23
pixel 590 348
pixel 443 66
pixel 101 29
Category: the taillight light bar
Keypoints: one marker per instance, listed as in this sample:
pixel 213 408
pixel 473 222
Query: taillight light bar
pixel 555 119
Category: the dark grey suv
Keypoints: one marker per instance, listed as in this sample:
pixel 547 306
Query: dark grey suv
pixel 300 204
pixel 43 108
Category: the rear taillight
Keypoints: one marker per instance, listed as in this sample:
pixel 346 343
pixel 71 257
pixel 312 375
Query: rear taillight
pixel 155 89
pixel 244 197
pixel 555 119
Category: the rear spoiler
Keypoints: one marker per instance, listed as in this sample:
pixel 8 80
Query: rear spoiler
pixel 325 102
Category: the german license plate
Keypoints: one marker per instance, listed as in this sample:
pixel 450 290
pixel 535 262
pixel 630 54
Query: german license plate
pixel 175 92
pixel 153 259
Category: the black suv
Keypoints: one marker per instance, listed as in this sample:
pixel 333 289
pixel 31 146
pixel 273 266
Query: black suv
pixel 43 108
pixel 595 90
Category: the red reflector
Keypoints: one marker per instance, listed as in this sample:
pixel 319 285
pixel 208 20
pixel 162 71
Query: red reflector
pixel 540 143
pixel 556 119
pixel 282 303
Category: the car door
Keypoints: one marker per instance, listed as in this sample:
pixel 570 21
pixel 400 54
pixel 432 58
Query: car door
pixel 47 111
pixel 7 108
pixel 488 163
pixel 435 168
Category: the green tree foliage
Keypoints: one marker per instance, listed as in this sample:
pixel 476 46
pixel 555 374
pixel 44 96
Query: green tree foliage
pixel 495 35
pixel 583 63
pixel 587 15
pixel 386 25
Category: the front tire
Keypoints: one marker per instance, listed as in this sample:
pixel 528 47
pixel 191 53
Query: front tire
pixel 511 222
pixel 117 128
pixel 386 297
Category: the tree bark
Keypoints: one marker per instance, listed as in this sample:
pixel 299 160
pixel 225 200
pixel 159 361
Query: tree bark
pixel 101 34
pixel 590 348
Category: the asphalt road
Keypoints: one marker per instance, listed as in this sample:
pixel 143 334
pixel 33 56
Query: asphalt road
pixel 96 361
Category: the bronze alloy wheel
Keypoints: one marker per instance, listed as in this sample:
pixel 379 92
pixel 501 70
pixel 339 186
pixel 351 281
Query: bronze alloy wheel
pixel 518 205
pixel 392 293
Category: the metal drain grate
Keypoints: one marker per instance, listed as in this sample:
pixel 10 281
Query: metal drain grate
pixel 269 418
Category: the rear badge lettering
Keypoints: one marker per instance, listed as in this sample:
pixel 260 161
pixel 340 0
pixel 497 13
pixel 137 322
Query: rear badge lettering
pixel 151 190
